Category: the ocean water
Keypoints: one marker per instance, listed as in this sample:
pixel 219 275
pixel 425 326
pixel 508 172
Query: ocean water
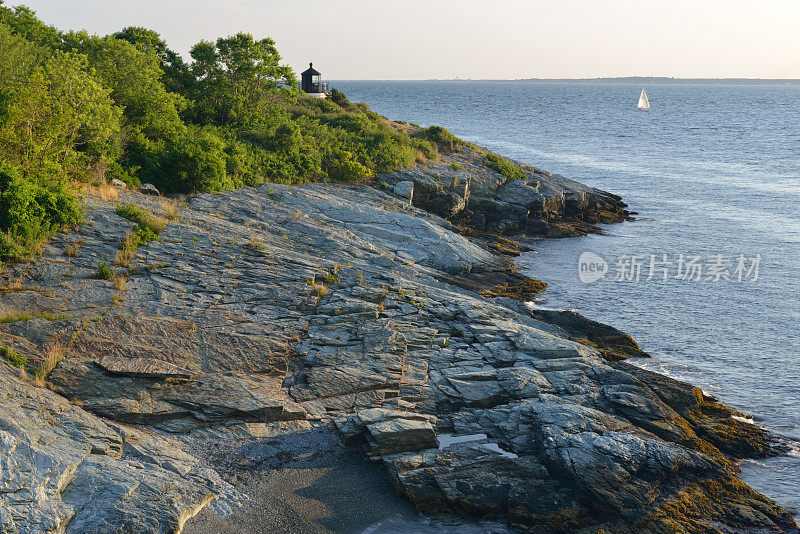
pixel 714 174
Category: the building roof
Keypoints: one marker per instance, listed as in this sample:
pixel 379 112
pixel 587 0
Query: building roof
pixel 311 70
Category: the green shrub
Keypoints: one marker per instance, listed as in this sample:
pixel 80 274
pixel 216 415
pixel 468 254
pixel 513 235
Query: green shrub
pixel 508 169
pixel 339 98
pixel 144 220
pixel 441 137
pixel 131 211
pixel 31 212
pixel 341 167
pixel 144 234
pixel 104 272
pixel 426 147
pixel 117 171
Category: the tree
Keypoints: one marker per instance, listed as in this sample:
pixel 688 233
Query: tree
pixel 238 78
pixel 58 119
pixel 22 21
pixel 134 78
pixel 177 75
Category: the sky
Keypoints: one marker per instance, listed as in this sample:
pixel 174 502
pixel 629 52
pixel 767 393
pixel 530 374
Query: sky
pixel 472 39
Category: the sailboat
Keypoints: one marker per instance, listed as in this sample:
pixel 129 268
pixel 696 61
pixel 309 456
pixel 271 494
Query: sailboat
pixel 644 102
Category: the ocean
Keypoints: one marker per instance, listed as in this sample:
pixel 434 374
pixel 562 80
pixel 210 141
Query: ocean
pixel 707 279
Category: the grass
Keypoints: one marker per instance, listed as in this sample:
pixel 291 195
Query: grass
pixel 71 251
pixel 444 140
pixel 13 316
pixel 255 244
pixel 103 191
pixel 509 170
pixel 320 290
pixel 127 250
pixel 120 282
pixel 13 358
pixel 455 166
pixel 141 217
pixel 170 209
pixel 330 278
pixel 54 354
pixel 147 229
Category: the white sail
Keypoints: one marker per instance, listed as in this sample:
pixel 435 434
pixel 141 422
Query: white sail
pixel 644 102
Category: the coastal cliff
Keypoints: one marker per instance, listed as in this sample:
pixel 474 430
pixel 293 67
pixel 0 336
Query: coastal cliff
pixel 266 321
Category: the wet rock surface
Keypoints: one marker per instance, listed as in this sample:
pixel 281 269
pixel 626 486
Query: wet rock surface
pixel 267 313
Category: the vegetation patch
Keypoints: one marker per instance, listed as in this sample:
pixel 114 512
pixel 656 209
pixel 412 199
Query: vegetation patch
pixel 54 354
pixel 509 170
pixel 147 229
pixel 150 224
pixel 441 138
pixel 13 358
pixel 32 209
pixel 524 289
pixel 104 272
pixel 127 107
pixel 13 316
pixel 455 166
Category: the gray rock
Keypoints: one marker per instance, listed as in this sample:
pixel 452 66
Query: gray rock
pixel 404 189
pixel 149 189
pixel 269 311
pixel 65 470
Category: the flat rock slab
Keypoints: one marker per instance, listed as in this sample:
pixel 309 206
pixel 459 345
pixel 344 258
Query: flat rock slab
pixel 142 367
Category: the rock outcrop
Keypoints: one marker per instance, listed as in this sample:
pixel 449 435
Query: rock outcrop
pixel 463 190
pixel 281 309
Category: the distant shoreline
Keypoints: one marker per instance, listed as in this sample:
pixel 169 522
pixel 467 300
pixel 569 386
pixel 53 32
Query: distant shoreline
pixel 629 79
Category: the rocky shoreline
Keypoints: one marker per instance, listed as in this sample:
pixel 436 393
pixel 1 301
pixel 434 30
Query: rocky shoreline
pixel 270 326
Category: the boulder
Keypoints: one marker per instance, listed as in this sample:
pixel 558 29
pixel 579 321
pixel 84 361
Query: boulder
pixel 405 189
pixel 149 189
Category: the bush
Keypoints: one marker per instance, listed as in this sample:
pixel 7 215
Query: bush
pixel 104 272
pixel 508 169
pixel 339 98
pixel 341 167
pixel 441 137
pixel 31 212
pixel 149 223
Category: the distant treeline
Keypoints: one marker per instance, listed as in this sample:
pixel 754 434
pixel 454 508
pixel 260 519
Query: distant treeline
pixel 649 80
pixel 676 81
pixel 76 107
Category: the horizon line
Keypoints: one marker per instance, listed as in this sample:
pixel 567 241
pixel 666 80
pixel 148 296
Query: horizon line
pixel 593 79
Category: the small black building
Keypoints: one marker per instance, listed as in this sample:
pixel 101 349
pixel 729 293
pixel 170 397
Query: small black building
pixel 311 81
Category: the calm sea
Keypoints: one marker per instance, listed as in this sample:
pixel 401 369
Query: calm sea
pixel 714 173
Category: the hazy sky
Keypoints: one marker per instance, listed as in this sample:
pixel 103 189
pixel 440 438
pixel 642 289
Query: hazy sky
pixel 422 39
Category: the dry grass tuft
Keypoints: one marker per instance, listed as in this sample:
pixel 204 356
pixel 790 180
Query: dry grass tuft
pixel 127 250
pixel 71 251
pixel 54 354
pixel 103 191
pixel 170 209
pixel 120 282
pixel 9 314
pixel 320 290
